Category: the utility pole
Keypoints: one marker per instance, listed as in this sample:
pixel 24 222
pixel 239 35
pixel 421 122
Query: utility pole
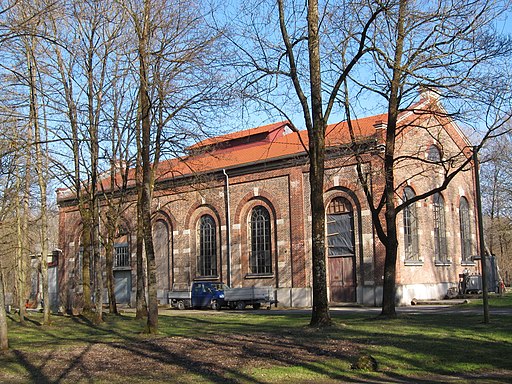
pixel 481 245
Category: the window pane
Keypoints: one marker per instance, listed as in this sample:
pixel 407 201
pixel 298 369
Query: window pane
pixel 465 230
pixel 121 256
pixel 260 259
pixel 340 228
pixel 207 258
pixel 441 252
pixel 410 228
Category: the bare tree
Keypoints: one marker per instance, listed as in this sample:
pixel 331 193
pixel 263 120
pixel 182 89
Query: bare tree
pixel 496 193
pixel 444 48
pixel 114 198
pixel 7 166
pixel 121 137
pixel 297 70
pixel 29 19
pixel 173 46
pixel 90 35
pixel 34 121
pixel 65 60
pixel 21 215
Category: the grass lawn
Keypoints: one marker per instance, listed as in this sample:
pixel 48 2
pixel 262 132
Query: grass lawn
pixel 263 347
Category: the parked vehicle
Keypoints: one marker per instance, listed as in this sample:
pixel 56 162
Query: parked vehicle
pixel 215 295
pixel 201 294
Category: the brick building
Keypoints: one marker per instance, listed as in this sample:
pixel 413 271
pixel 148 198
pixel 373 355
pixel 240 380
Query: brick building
pixel 237 210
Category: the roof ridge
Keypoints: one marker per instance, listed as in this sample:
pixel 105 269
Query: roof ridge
pixel 239 134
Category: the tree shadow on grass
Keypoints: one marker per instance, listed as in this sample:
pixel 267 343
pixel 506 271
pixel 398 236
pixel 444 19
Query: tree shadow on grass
pixel 235 356
pixel 35 372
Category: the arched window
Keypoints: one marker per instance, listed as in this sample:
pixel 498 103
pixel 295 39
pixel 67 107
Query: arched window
pixel 465 230
pixel 207 257
pixel 162 252
pixel 260 259
pixel 340 228
pixel 440 245
pixel 410 227
pixel 434 154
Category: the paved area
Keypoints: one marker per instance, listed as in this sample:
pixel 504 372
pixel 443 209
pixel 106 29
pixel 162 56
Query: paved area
pixel 445 306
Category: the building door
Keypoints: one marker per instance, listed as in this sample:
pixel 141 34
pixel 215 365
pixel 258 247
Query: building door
pixel 123 286
pixel 341 251
pixel 341 279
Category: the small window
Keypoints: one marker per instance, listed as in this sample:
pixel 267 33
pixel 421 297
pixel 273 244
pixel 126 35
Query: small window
pixel 121 256
pixel 410 228
pixel 339 205
pixel 434 154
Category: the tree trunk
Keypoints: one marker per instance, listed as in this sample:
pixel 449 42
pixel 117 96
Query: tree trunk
pixel 320 314
pixel 86 260
pixel 21 228
pixel 4 339
pixel 152 323
pixel 94 104
pixel 391 241
pixel 41 178
pixel 109 265
pixel 147 173
pixel 141 304
pixel 41 173
pixel 389 288
pixel 98 270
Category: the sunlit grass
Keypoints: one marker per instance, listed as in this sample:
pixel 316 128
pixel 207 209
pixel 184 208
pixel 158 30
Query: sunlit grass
pixel 411 346
pixel 495 300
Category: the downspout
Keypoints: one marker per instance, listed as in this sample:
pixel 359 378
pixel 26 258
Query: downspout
pixel 228 228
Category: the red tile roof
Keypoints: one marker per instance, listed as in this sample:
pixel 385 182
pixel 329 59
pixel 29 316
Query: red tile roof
pixel 276 144
pixel 280 146
pixel 262 144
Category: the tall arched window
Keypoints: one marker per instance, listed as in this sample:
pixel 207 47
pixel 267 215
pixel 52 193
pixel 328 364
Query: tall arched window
pixel 162 252
pixel 260 260
pixel 440 245
pixel 465 230
pixel 207 257
pixel 410 227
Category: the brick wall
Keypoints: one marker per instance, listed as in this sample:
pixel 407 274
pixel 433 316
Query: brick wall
pixel 284 192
